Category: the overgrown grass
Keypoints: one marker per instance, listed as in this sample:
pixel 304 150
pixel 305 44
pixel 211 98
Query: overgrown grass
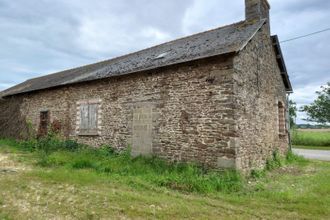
pixel 9 143
pixel 183 177
pixel 53 153
pixel 311 138
pixel 87 183
pixel 276 161
pixel 4 216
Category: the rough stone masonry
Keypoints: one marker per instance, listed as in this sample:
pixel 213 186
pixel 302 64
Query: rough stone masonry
pixel 217 98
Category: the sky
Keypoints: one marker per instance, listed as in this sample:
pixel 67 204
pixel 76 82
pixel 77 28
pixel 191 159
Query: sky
pixel 38 37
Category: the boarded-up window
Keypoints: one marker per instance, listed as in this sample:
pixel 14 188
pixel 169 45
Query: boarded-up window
pixel 281 119
pixel 88 119
pixel 142 131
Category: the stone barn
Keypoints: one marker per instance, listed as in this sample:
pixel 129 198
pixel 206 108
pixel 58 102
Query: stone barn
pixel 218 98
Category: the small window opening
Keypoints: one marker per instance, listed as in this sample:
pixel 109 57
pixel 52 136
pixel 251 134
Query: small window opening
pixel 44 123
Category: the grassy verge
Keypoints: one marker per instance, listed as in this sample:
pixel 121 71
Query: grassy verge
pixel 311 138
pixel 73 184
pixel 312 147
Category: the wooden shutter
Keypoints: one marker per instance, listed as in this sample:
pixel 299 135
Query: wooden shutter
pixel 92 120
pixel 88 119
pixel 84 118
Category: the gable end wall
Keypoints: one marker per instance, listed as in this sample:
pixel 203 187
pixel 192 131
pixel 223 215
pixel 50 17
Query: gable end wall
pixel 258 89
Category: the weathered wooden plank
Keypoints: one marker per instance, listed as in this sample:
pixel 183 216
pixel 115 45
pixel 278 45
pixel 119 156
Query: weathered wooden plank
pixel 92 122
pixel 84 117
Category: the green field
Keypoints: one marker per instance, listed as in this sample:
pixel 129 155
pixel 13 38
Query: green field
pixel 311 138
pixel 69 184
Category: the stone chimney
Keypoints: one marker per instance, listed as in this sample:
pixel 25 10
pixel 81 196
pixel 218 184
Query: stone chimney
pixel 257 10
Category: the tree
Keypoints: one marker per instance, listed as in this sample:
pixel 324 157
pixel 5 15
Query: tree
pixel 292 113
pixel 319 110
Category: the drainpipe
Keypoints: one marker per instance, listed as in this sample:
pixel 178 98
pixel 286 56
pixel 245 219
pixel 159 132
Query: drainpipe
pixel 288 120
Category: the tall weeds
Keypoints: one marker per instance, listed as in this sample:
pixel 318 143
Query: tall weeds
pixel 53 152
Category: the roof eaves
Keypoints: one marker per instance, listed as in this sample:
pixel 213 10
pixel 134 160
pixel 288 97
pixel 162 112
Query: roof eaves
pixel 281 64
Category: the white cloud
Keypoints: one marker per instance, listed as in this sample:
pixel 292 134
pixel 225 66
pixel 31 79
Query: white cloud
pixel 202 15
pixel 115 38
pixel 155 34
pixel 306 94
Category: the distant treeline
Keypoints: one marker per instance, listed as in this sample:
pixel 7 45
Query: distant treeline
pixel 309 126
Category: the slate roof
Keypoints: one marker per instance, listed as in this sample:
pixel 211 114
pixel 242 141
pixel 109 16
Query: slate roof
pixel 223 40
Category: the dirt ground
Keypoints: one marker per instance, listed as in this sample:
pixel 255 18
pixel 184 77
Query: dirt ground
pixel 8 165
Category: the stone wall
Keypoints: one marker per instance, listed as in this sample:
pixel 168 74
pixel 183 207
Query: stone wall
pixel 188 110
pixel 258 90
